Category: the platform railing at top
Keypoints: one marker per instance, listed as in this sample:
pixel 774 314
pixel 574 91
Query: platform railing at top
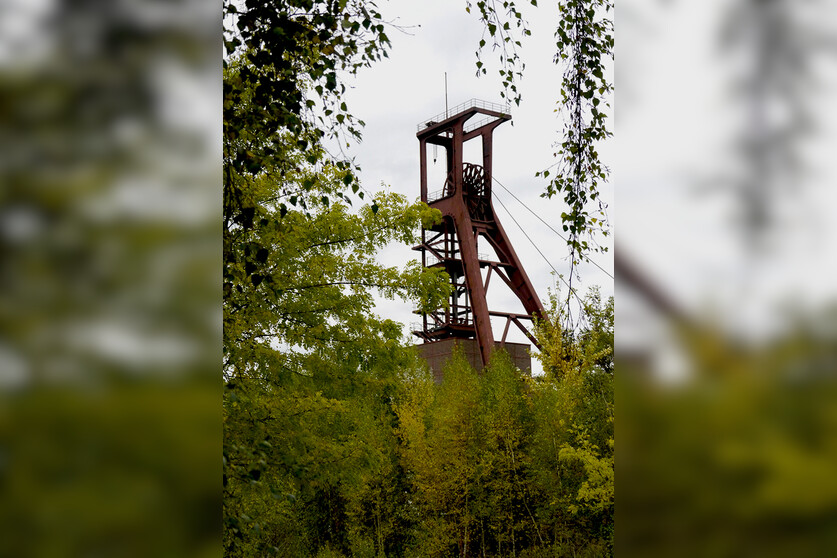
pixel 472 103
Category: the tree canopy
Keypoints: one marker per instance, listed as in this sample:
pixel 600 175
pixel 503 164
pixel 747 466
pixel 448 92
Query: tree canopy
pixel 337 442
pixel 385 462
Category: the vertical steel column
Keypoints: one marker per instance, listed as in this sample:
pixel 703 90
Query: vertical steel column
pixel 423 163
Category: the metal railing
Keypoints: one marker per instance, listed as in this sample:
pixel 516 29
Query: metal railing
pixel 431 258
pixel 472 103
pixel 439 194
pixel 462 318
pixel 470 126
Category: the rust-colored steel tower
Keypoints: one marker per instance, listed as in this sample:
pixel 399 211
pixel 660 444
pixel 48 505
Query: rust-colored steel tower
pixel 469 217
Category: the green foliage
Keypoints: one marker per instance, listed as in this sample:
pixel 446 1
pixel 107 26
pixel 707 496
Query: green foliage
pixel 302 279
pixel 501 464
pixel 303 471
pixel 738 459
pixel 337 442
pixel 306 282
pixel 567 351
pixel 292 58
pixel 336 462
pixel 574 431
pixel 584 39
pixel 308 367
pixel 505 31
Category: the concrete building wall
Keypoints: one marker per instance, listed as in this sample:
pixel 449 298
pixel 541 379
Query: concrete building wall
pixel 438 353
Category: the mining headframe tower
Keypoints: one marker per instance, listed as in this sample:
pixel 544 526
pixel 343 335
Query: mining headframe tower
pixel 468 220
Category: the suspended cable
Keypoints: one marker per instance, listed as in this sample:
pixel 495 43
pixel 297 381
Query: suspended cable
pixel 545 223
pixel 572 290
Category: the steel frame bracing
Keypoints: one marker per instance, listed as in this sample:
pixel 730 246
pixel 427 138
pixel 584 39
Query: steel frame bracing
pixel 468 217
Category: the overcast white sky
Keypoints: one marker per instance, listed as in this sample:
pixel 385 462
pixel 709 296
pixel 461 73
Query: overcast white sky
pixel 407 88
pixel 677 122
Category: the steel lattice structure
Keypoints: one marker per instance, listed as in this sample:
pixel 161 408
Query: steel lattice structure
pixel 469 218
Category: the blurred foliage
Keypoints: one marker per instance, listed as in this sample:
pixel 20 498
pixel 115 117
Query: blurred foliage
pixel 109 306
pixel 122 471
pixel 738 459
pixel 734 454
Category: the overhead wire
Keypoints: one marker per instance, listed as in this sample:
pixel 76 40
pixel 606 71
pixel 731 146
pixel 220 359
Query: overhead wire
pixel 544 222
pixel 570 287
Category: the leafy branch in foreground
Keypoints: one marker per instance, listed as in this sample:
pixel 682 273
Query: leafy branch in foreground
pixel 307 363
pixel 504 30
pixel 285 67
pixel 584 40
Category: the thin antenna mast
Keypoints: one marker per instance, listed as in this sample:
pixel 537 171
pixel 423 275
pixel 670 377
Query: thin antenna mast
pixel 446 95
